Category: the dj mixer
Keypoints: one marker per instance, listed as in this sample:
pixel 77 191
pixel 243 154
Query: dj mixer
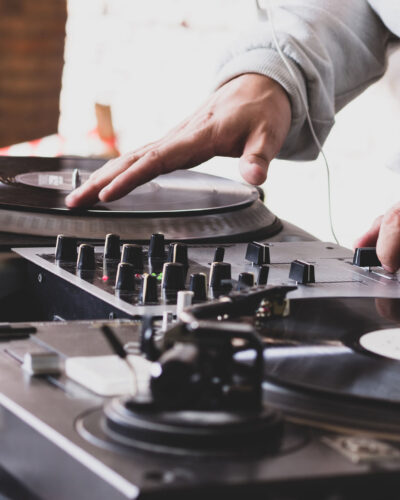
pixel 186 342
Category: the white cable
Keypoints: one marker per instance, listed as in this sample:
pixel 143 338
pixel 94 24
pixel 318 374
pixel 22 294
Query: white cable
pixel 269 11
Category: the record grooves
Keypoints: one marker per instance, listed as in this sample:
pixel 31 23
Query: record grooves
pixel 183 205
pixel 328 379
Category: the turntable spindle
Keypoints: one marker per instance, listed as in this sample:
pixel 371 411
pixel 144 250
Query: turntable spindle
pixel 76 179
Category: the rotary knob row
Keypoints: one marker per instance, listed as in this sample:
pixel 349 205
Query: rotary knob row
pixel 172 282
pixel 86 259
pixel 66 250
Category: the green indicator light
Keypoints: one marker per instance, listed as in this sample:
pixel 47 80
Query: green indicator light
pixel 154 274
pixel 159 277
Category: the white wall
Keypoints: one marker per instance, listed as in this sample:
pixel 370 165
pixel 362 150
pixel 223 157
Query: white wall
pixel 153 62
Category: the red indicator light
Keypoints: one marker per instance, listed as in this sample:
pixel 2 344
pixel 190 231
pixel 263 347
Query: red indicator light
pixel 137 275
pixel 104 278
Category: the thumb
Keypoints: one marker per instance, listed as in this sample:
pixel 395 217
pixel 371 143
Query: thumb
pixel 254 162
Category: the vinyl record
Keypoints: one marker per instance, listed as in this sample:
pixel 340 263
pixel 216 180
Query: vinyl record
pixel 183 205
pixel 43 183
pixel 318 372
pixel 324 351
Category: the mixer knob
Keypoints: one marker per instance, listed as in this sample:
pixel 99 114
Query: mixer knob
pixel 66 249
pixel 263 275
pixel 245 280
pixel 133 254
pixel 112 247
pixel 125 279
pixel 86 258
pixel 219 254
pixel 219 272
pixel 366 257
pixel 178 252
pixel 173 276
pixel 148 289
pixel 198 285
pixel 257 253
pixel 302 272
pixel 156 246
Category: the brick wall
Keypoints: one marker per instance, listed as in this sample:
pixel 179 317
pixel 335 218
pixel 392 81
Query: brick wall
pixel 32 36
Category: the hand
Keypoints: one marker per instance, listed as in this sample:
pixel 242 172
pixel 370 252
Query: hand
pixel 385 235
pixel 248 117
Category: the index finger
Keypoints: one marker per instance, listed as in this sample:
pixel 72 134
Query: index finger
pixel 184 152
pixel 87 193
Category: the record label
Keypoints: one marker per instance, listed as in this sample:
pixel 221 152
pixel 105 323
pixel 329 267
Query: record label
pixel 383 342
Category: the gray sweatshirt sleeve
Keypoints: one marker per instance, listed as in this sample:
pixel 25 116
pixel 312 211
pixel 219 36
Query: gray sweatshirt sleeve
pixel 335 47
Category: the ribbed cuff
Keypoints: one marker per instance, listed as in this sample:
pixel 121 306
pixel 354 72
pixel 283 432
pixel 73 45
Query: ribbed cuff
pixel 267 62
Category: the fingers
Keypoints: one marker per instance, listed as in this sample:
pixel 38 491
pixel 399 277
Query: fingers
pixel 87 194
pixel 183 152
pixel 370 238
pixel 385 235
pixel 388 244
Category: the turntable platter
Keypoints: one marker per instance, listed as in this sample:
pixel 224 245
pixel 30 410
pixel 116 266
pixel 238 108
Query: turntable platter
pixel 184 205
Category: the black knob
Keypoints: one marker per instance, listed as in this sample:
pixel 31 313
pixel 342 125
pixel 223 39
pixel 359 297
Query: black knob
pixel 245 280
pixel 302 272
pixel 220 272
pixel 173 276
pixel 86 258
pixel 156 246
pixel 133 254
pixel 263 275
pixel 112 247
pixel 219 254
pixel 198 285
pixel 257 253
pixel 366 257
pixel 148 289
pixel 125 279
pixel 66 248
pixel 178 252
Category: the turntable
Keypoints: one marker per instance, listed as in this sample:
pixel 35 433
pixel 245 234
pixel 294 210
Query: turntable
pixel 327 425
pixel 183 205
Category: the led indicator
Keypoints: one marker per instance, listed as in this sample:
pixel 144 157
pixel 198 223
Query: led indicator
pixel 105 278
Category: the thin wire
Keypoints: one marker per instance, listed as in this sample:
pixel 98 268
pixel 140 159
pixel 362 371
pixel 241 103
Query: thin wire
pixel 268 8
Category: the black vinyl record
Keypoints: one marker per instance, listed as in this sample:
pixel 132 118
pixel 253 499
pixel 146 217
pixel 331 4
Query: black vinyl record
pixel 41 184
pixel 320 348
pixel 183 205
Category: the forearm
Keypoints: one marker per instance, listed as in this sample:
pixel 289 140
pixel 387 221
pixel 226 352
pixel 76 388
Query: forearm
pixel 336 48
